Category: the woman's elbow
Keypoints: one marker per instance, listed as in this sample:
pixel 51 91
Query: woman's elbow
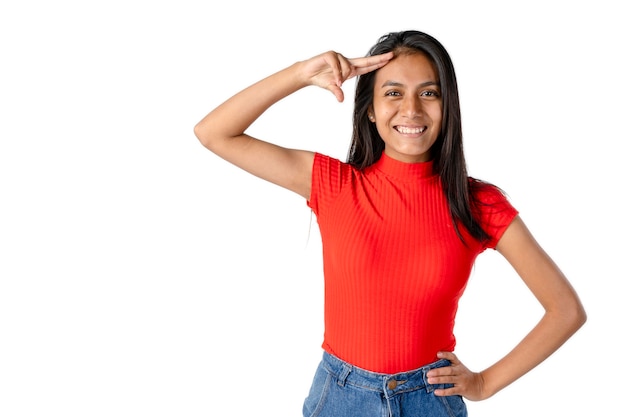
pixel 580 315
pixel 576 314
pixel 202 133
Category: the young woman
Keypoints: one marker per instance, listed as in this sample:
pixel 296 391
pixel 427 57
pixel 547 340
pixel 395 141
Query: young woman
pixel 401 225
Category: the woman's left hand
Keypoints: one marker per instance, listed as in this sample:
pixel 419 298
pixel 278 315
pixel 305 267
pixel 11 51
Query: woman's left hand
pixel 466 383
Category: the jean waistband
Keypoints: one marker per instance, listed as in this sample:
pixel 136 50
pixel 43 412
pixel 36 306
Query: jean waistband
pixel 389 384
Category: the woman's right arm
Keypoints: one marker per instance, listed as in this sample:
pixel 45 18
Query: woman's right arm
pixel 223 130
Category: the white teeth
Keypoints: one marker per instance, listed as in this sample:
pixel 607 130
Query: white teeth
pixel 410 131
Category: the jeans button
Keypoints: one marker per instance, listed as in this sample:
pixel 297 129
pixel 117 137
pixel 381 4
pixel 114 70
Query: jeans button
pixel 392 384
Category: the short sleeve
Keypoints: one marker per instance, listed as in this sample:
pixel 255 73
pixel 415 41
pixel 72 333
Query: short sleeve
pixel 327 180
pixel 493 209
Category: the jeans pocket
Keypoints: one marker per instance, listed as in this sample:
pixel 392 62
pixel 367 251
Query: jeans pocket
pixel 455 405
pixel 314 402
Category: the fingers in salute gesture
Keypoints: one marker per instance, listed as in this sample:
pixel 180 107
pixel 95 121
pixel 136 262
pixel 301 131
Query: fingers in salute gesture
pixel 330 69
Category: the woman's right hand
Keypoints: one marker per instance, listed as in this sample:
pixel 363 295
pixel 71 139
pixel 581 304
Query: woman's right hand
pixel 331 69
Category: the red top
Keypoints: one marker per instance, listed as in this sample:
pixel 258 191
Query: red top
pixel 394 266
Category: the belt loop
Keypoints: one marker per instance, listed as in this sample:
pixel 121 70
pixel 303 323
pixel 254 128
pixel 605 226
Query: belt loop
pixel 345 371
pixel 429 387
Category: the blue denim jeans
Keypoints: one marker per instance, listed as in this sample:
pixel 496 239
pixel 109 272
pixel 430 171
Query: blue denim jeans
pixel 343 390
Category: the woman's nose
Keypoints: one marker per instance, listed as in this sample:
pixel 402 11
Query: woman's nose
pixel 411 106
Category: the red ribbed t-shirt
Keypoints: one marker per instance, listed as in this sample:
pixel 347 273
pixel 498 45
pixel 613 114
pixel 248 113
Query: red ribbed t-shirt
pixel 394 267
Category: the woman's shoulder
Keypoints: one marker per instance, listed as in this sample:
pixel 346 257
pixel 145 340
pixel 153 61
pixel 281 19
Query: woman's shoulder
pixel 326 163
pixel 486 192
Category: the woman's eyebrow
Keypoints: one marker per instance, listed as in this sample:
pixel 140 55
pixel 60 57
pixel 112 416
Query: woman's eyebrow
pixel 392 83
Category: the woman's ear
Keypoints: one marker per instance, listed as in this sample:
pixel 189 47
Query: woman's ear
pixel 370 114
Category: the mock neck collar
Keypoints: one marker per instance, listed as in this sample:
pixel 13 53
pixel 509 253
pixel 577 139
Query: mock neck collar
pixel 404 170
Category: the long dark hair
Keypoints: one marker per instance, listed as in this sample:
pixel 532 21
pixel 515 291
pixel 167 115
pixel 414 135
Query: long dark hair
pixel 447 151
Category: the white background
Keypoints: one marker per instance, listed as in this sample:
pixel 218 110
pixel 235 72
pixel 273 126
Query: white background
pixel 140 275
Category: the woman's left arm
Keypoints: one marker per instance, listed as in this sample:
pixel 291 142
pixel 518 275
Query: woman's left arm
pixel 564 315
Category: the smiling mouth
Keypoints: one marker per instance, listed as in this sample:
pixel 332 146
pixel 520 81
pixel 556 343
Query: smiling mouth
pixel 410 130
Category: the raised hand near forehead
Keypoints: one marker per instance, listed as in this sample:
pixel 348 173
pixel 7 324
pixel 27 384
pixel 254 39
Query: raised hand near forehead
pixel 330 69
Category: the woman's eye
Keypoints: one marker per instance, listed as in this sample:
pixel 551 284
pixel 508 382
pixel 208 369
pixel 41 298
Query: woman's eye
pixel 392 93
pixel 430 93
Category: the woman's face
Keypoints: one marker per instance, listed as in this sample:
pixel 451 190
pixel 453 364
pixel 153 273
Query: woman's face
pixel 407 107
